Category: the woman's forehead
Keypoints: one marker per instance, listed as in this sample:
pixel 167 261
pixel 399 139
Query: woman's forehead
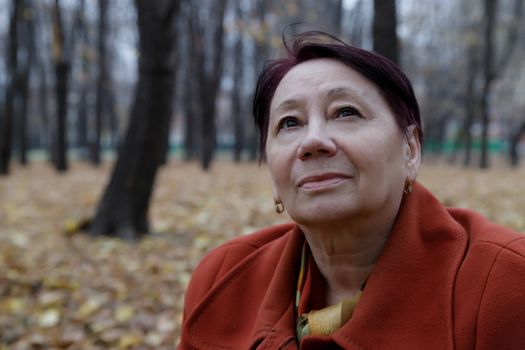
pixel 323 77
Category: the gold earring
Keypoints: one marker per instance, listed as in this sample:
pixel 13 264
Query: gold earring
pixel 279 207
pixel 408 188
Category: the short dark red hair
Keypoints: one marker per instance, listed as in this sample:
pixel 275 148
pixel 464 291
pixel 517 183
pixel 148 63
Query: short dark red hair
pixel 386 75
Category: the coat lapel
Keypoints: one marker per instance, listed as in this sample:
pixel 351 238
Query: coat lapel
pixel 275 326
pixel 254 298
pixel 407 302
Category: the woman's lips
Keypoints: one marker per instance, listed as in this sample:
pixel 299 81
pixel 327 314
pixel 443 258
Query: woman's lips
pixel 321 181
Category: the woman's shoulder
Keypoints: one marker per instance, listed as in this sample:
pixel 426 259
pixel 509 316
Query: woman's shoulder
pixel 482 231
pixel 235 250
pixel 490 284
pixel 495 249
pixel 223 259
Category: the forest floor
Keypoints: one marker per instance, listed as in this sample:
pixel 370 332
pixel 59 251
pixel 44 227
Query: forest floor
pixel 60 289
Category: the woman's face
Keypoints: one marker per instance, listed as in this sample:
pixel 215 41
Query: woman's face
pixel 334 149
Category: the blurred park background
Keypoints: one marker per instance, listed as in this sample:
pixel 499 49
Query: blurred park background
pixel 127 148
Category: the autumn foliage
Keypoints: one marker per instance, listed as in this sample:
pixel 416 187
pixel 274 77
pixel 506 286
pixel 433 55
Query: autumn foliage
pixel 65 290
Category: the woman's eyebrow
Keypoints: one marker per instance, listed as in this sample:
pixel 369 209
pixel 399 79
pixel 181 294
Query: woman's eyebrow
pixel 335 92
pixel 341 91
pixel 288 104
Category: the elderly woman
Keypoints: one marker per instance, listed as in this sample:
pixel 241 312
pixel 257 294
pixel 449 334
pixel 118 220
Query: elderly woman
pixel 372 260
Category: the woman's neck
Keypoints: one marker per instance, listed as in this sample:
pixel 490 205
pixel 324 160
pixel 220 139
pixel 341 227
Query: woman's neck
pixel 345 256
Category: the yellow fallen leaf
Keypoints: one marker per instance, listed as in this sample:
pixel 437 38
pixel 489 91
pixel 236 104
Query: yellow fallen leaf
pixel 73 226
pixel 89 307
pixel 49 318
pixel 103 325
pixel 15 305
pixel 112 335
pixel 52 298
pixel 165 324
pixel 129 340
pixel 70 226
pixel 19 239
pixel 154 339
pixel 60 282
pixel 124 313
pixel 184 278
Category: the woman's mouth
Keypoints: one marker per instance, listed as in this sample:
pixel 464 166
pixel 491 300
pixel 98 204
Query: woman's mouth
pixel 322 181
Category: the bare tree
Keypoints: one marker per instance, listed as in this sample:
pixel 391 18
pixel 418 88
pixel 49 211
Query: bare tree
pixel 26 45
pixel 260 54
pixel 62 69
pixel 493 66
pixel 123 208
pixel 101 80
pixel 12 69
pixel 43 70
pixel 357 19
pixel 207 53
pixel 82 49
pixel 338 9
pixel 190 61
pixel 446 58
pixel 514 142
pixel 471 103
pixel 238 78
pixel 386 42
pixel 488 76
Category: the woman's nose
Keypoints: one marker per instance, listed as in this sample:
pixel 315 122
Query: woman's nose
pixel 316 143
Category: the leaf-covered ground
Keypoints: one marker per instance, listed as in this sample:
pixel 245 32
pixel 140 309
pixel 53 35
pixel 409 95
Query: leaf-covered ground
pixel 63 290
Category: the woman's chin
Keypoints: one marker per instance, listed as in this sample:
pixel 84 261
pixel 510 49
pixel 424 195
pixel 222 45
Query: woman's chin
pixel 323 214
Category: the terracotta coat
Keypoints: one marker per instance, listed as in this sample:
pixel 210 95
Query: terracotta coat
pixel 447 279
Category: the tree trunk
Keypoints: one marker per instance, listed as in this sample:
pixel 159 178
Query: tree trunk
pixel 111 113
pixel 189 117
pixel 384 34
pixel 82 112
pixel 238 77
pixel 490 69
pixel 42 66
pixel 514 143
pixel 189 86
pixel 210 87
pixel 12 64
pixel 338 16
pixel 82 106
pixel 28 42
pixel 259 56
pixel 44 107
pixel 62 74
pixel 357 19
pixel 488 76
pixel 23 101
pixel 122 211
pixel 62 66
pixel 470 104
pixel 101 81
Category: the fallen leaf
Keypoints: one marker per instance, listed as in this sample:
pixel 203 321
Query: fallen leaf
pixel 49 318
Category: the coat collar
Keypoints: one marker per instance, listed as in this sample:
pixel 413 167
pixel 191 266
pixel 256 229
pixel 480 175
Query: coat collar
pixel 260 291
pixel 408 294
pixel 278 320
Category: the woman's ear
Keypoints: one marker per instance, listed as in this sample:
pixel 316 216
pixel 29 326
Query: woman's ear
pixel 412 153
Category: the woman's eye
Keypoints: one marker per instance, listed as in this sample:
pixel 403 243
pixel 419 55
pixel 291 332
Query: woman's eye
pixel 347 112
pixel 288 122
